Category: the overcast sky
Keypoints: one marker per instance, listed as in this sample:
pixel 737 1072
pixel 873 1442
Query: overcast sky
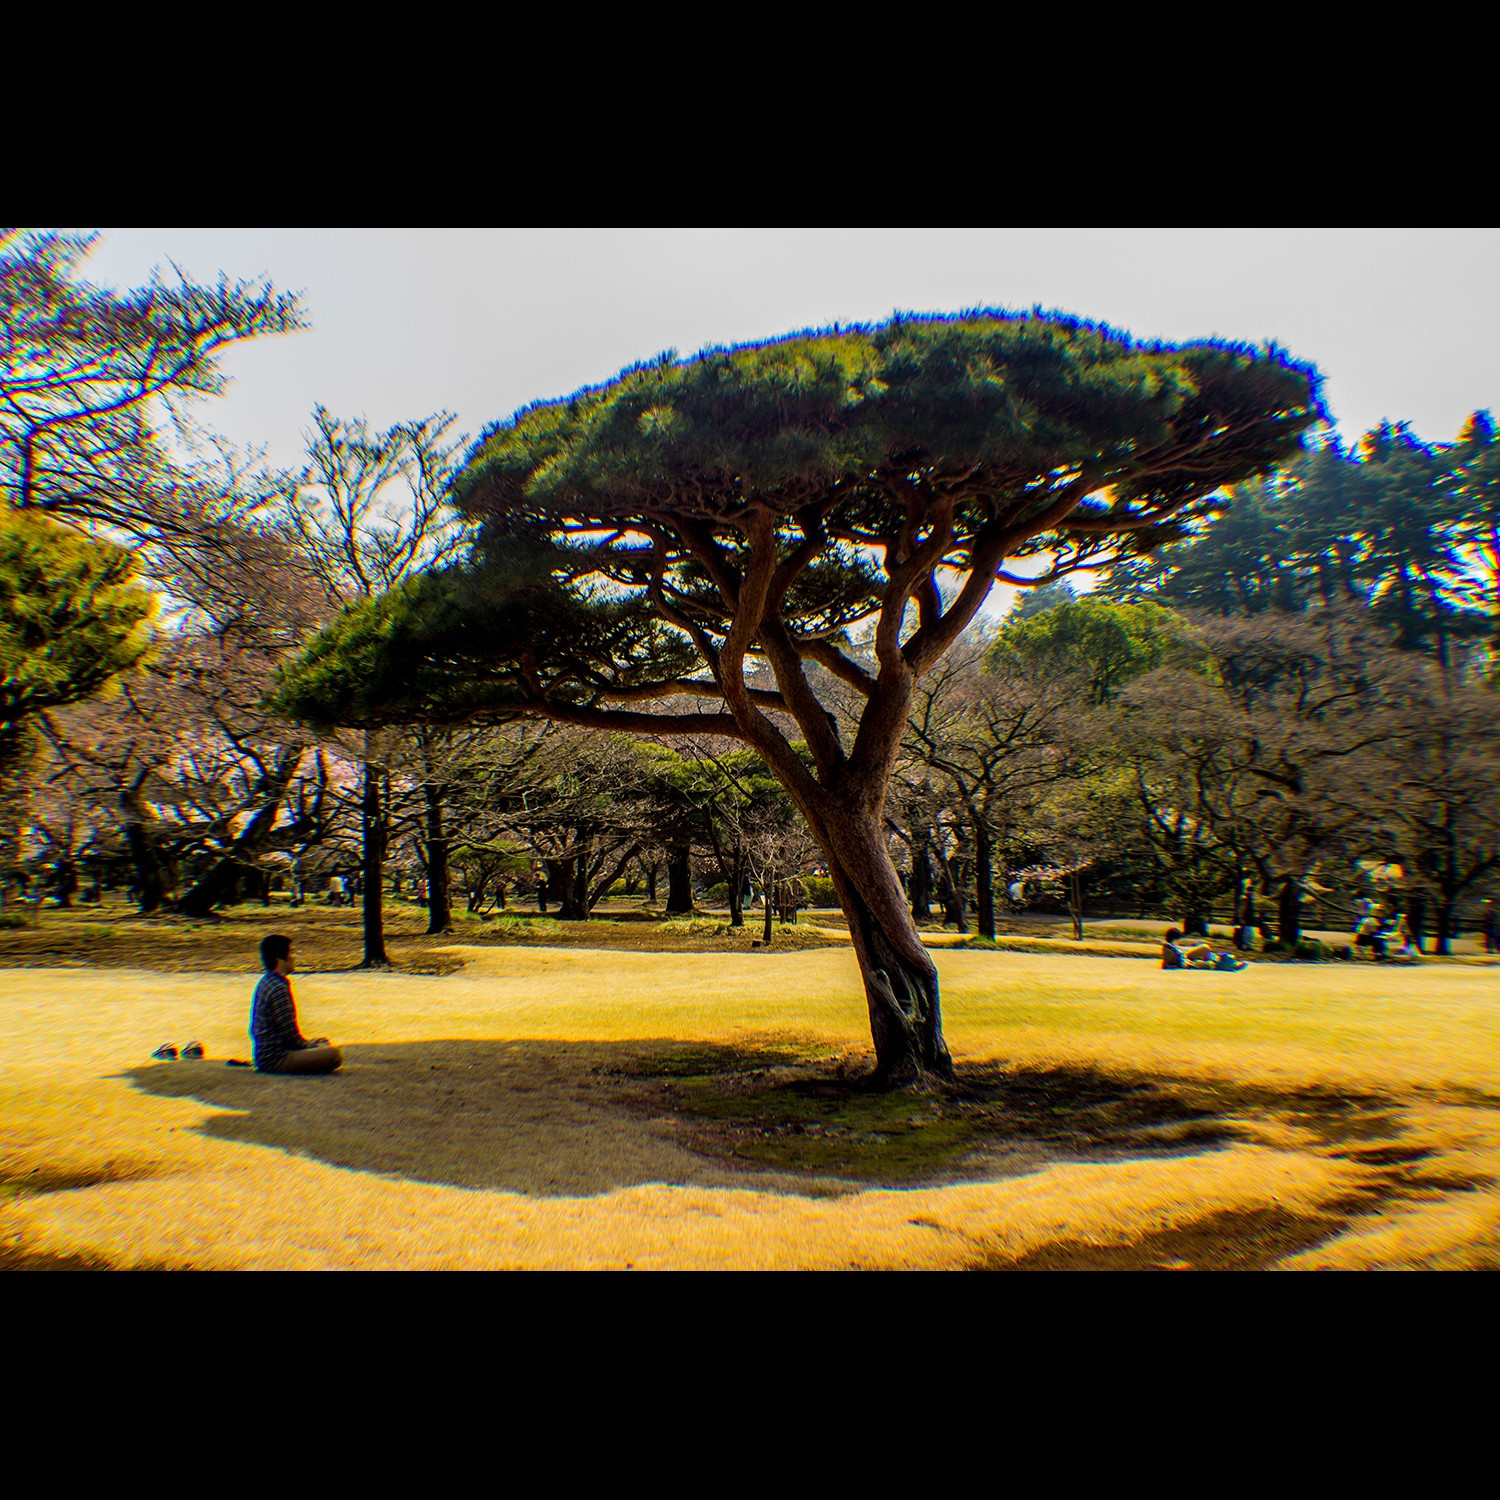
pixel 1403 323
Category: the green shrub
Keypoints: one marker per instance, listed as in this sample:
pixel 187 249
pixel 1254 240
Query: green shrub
pixel 13 919
pixel 820 890
pixel 716 895
pixel 1311 951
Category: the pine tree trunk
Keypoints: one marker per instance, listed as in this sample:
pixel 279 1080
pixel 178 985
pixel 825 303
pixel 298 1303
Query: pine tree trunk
pixel 372 860
pixel 651 884
pixel 679 882
pixel 901 983
pixel 439 914
pixel 562 888
pixel 769 893
pixel 220 885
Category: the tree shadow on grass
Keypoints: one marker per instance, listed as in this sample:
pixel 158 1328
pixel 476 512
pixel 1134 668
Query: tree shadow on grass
pixel 572 1119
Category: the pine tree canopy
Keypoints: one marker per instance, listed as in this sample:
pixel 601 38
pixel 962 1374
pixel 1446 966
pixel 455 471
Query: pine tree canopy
pixel 763 498
pixel 72 616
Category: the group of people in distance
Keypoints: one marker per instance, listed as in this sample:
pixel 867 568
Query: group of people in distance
pixel 1382 928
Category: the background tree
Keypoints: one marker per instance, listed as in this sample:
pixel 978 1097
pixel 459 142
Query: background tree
pixel 1000 731
pixel 369 510
pixel 1271 764
pixel 1392 524
pixel 639 540
pixel 1477 475
pixel 73 619
pixel 1437 794
pixel 88 375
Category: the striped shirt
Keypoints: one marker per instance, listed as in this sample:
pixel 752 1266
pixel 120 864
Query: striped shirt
pixel 273 1022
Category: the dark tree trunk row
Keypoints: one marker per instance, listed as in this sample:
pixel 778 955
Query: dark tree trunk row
pixel 951 893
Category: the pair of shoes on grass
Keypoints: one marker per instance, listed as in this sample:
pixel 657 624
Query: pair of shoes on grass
pixel 168 1053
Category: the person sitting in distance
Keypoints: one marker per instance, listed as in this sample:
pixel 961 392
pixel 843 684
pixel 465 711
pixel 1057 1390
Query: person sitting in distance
pixel 280 1046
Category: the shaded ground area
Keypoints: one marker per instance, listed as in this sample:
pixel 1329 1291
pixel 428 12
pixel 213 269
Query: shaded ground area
pixel 550 1120
pixel 817 1116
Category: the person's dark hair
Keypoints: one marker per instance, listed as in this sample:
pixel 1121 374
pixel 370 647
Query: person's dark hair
pixel 1172 935
pixel 273 949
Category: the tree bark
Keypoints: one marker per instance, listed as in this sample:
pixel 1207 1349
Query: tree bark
pixel 372 832
pixel 439 913
pixel 769 893
pixel 576 908
pixel 1446 910
pixel 603 885
pixel 679 882
pixel 901 983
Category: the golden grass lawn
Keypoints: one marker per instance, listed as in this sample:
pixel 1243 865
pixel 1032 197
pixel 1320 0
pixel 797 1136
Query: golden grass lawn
pixel 503 1116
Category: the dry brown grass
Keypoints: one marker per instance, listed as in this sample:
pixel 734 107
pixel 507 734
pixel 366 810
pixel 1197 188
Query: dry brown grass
pixel 570 1107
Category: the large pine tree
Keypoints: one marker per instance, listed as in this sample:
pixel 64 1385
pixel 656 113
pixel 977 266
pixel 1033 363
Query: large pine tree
pixel 652 539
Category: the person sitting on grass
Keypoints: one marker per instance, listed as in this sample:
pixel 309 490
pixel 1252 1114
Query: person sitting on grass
pixel 280 1046
pixel 1198 956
